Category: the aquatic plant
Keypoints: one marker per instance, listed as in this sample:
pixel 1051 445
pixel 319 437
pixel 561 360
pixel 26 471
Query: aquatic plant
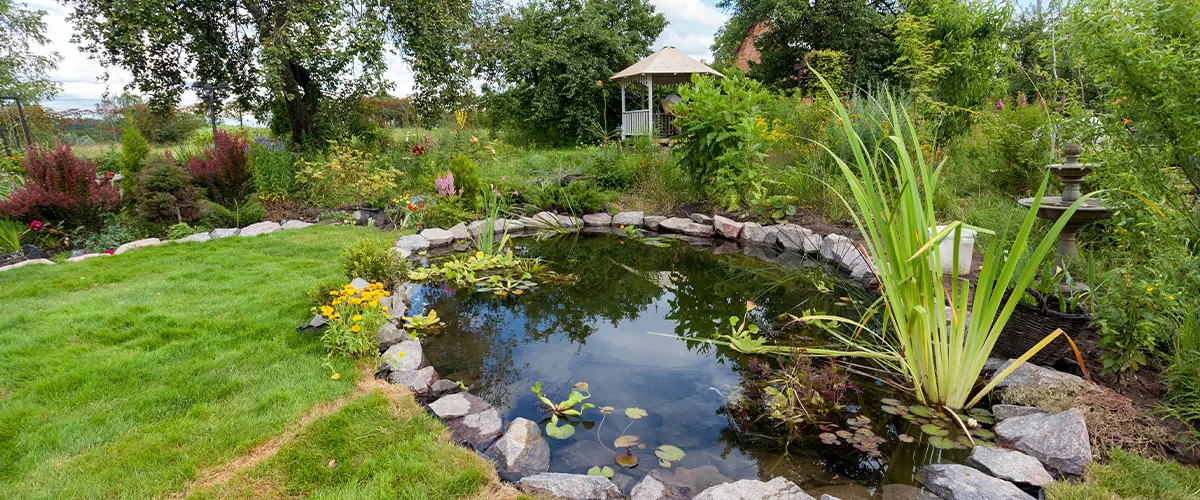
pixel 800 396
pixel 422 322
pixel 565 409
pixel 939 350
pixel 638 234
pixel 505 285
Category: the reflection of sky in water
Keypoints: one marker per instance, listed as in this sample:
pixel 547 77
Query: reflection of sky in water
pixel 491 345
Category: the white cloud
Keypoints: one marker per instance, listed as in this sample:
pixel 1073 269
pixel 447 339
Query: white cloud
pixel 692 26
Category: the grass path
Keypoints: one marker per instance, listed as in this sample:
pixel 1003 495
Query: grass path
pixel 130 376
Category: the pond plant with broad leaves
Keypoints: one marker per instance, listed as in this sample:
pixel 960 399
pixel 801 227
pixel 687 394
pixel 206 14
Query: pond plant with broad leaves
pixel 645 359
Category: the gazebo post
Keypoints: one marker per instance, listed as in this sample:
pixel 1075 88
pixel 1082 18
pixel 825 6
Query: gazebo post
pixel 650 103
pixel 623 133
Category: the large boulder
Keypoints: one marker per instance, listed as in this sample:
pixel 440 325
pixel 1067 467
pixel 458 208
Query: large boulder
pixel 195 238
pixel 521 451
pixel 750 489
pixel 570 487
pixel 148 242
pixel 294 224
pixel 460 231
pixel 471 420
pixel 597 220
pixel 259 228
pixel 1009 465
pixel 701 218
pixel 674 224
pixel 959 482
pixel 417 381
pixel 406 355
pixel 654 487
pixel 438 237
pixel 443 387
pixel 1029 376
pixel 628 219
pixel 1005 412
pixel 569 222
pixel 727 228
pixel 699 230
pixel 224 232
pixel 653 222
pixel 30 262
pixel 834 245
pixel 1058 440
pixel 799 239
pixel 390 335
pixel 412 243
pixel 755 233
pixel 458 405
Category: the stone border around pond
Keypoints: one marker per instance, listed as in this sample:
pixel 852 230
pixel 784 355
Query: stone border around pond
pixel 251 230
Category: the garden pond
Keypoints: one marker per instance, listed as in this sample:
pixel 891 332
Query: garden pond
pixel 631 329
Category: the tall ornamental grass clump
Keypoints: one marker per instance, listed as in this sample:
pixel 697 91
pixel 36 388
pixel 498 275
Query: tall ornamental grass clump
pixel 936 338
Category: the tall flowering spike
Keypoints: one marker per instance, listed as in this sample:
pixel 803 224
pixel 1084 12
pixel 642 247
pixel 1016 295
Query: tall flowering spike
pixel 999 104
pixel 445 184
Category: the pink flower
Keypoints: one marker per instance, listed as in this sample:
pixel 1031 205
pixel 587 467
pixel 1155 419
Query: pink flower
pixel 36 225
pixel 110 251
pixel 999 104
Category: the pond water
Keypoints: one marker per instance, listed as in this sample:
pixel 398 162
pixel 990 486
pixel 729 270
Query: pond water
pixel 600 330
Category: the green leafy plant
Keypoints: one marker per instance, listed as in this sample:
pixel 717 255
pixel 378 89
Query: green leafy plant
pixel 1054 287
pixel 346 176
pixel 134 149
pixel 10 235
pixel 180 230
pixel 422 323
pixel 572 407
pixel 466 178
pixel 719 135
pixel 164 192
pixel 777 207
pixel 638 234
pixel 503 286
pixel 354 316
pixel 373 260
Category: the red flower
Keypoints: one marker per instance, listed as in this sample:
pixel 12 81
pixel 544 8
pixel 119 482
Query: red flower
pixel 412 208
pixel 110 251
pixel 422 205
pixel 36 225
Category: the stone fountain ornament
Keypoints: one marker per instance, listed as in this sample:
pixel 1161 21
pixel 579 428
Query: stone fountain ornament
pixel 1052 207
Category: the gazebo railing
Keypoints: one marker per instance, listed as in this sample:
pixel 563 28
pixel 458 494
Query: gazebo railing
pixel 641 122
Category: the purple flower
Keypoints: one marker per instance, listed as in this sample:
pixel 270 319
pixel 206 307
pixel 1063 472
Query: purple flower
pixel 999 104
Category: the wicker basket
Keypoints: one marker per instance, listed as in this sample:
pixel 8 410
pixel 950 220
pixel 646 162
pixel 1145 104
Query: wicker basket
pixel 1028 325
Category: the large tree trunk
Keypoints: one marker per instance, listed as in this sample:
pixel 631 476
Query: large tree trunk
pixel 300 96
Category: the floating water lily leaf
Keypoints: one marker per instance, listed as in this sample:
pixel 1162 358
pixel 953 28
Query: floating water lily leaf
pixel 625 441
pixel 580 386
pixel 963 442
pixel 921 411
pixel 983 433
pixel 666 464
pixel 893 410
pixel 844 434
pixel 984 419
pixel 829 438
pixel 605 471
pixel 906 438
pixel 641 446
pixel 627 460
pixel 668 452
pixel 941 443
pixel 607 409
pixel 890 402
pixel 934 430
pixel 559 431
pixel 979 412
pixel 858 421
pixel 635 413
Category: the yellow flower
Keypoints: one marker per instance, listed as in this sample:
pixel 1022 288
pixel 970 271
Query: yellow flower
pixel 374 303
pixel 384 308
pixel 357 317
pixel 1170 297
pixel 333 292
pixel 1149 289
pixel 356 328
pixel 326 311
pixel 336 316
pixel 336 376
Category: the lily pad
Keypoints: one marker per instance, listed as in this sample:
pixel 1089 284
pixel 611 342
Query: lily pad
pixel 844 434
pixel 607 409
pixel 580 386
pixel 635 413
pixel 627 460
pixel 625 441
pixel 858 421
pixel 666 464
pixel 983 433
pixel 890 402
pixel 940 442
pixel 605 471
pixel 893 410
pixel 934 430
pixel 668 452
pixel 921 411
pixel 559 431
pixel 828 438
pixel 906 438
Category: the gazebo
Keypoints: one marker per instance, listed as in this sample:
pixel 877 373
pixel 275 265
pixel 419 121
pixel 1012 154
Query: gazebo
pixel 667 66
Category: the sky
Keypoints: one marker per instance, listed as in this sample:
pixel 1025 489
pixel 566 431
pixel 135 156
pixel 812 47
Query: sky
pixel 692 24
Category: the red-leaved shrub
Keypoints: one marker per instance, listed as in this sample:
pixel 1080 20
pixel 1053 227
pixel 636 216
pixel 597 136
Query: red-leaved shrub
pixel 224 171
pixel 61 187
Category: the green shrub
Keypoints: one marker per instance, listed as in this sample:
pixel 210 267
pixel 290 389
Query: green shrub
pixel 1004 150
pixel 164 192
pixel 114 232
pixel 579 197
pixel 134 149
pixel 274 168
pixel 1183 373
pixel 466 177
pixel 374 260
pixel 242 214
pixel 446 212
pixel 180 230
pixel 319 294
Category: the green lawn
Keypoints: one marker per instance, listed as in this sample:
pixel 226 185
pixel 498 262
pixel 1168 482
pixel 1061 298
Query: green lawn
pixel 126 376
pixel 1127 476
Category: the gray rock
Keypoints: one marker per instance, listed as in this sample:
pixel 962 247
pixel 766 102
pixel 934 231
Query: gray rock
pixel 417 381
pixel 521 451
pixel 294 224
pixel 1058 440
pixel 412 243
pixel 437 237
pixel 727 248
pixel 390 335
pixel 861 271
pixel 834 245
pixel 727 228
pixel 406 355
pixel 460 231
pixel 799 239
pixel 443 387
pixel 570 487
pixel 544 220
pixel 897 491
pixel 674 224
pixel 753 232
pixel 597 220
pixel 457 406
pixel 477 429
pixel 654 487
pixel 259 228
pixel 77 253
pixel 652 222
pixel 700 478
pixel 959 482
pixel 1005 412
pixel 1009 465
pixel 1034 377
pixel 197 238
pixel 85 256
pixel 30 262
pixel 698 229
pixel 629 219
pixel 314 325
pixel 750 489
pixel 829 497
pixel 224 232
pixel 569 222
pixel 701 218
pixel 359 283
pixel 148 242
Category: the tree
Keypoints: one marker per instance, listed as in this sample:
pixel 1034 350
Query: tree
pixel 23 72
pixel 297 54
pixel 856 28
pixel 553 52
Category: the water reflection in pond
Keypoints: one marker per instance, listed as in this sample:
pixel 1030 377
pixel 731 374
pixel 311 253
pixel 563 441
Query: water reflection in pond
pixel 597 331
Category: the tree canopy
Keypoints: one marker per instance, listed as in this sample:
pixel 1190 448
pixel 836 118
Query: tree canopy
pixel 279 55
pixel 23 72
